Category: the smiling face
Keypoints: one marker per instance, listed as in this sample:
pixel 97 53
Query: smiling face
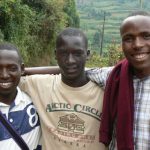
pixel 71 55
pixel 135 33
pixel 10 72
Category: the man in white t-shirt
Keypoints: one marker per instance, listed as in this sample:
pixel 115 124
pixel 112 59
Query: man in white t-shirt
pixel 69 105
pixel 15 105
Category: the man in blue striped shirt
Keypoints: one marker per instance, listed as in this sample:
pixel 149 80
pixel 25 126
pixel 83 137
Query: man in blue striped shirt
pixel 15 105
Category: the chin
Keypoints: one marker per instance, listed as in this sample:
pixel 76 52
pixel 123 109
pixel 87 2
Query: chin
pixel 71 77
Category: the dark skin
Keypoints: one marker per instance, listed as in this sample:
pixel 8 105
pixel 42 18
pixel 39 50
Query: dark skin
pixel 71 55
pixel 10 73
pixel 135 33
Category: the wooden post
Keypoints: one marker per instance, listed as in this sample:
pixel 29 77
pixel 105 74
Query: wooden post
pixel 102 38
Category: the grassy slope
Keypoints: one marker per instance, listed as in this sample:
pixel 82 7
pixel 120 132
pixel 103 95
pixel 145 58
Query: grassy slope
pixel 118 11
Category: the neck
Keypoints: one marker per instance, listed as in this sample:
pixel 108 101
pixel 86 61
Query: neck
pixel 8 98
pixel 142 73
pixel 78 82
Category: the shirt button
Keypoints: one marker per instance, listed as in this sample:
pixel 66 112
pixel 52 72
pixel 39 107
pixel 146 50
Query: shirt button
pixel 11 120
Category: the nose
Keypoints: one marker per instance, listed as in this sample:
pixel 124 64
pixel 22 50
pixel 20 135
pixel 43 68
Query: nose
pixel 71 58
pixel 138 43
pixel 4 74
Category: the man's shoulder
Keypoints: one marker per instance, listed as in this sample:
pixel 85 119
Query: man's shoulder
pixel 22 96
pixel 40 78
pixel 99 75
pixel 100 70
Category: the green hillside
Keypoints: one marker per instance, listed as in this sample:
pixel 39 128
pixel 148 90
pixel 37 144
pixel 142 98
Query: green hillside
pixel 93 13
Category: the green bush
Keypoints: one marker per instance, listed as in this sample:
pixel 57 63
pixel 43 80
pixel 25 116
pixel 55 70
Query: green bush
pixel 109 58
pixel 33 26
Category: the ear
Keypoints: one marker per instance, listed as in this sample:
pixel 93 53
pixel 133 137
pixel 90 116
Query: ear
pixel 22 69
pixel 88 54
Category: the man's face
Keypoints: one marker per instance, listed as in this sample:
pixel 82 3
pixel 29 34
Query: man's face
pixel 10 72
pixel 71 57
pixel 135 33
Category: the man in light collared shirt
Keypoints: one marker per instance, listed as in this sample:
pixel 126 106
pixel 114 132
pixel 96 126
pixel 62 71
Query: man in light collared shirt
pixel 135 33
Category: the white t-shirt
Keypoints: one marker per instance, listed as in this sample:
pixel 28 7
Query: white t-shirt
pixel 70 117
pixel 22 115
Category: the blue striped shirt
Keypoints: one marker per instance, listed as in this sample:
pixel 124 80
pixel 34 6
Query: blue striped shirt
pixel 23 117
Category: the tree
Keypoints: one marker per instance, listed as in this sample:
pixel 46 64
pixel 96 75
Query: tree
pixel 96 39
pixel 33 25
pixel 71 13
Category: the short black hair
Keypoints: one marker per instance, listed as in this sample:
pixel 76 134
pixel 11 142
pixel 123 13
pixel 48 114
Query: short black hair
pixel 71 32
pixel 136 13
pixel 11 47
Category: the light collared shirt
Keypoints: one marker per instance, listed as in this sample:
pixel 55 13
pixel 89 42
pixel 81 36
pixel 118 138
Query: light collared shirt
pixel 141 130
pixel 22 115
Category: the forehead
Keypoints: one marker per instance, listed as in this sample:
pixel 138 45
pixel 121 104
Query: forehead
pixel 72 42
pixel 7 56
pixel 136 24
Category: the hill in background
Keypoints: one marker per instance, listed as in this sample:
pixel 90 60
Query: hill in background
pixel 100 19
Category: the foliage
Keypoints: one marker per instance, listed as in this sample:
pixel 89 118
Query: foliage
pixel 109 59
pixel 97 38
pixel 96 60
pixel 97 14
pixel 15 22
pixel 33 26
pixel 71 13
pixel 114 54
pixel 110 13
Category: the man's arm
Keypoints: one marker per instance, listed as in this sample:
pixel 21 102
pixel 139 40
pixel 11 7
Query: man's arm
pixel 42 70
pixel 99 75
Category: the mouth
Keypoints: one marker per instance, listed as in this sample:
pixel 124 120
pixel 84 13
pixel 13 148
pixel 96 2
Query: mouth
pixel 5 85
pixel 140 57
pixel 71 70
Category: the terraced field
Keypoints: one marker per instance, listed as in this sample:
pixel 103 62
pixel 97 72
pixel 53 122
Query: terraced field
pixel 92 13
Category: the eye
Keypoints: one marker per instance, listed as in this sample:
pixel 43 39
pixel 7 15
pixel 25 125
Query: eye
pixel 13 68
pixel 127 39
pixel 78 53
pixel 146 36
pixel 62 52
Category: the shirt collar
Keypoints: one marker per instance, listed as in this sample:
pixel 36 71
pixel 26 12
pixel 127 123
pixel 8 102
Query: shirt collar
pixel 19 98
